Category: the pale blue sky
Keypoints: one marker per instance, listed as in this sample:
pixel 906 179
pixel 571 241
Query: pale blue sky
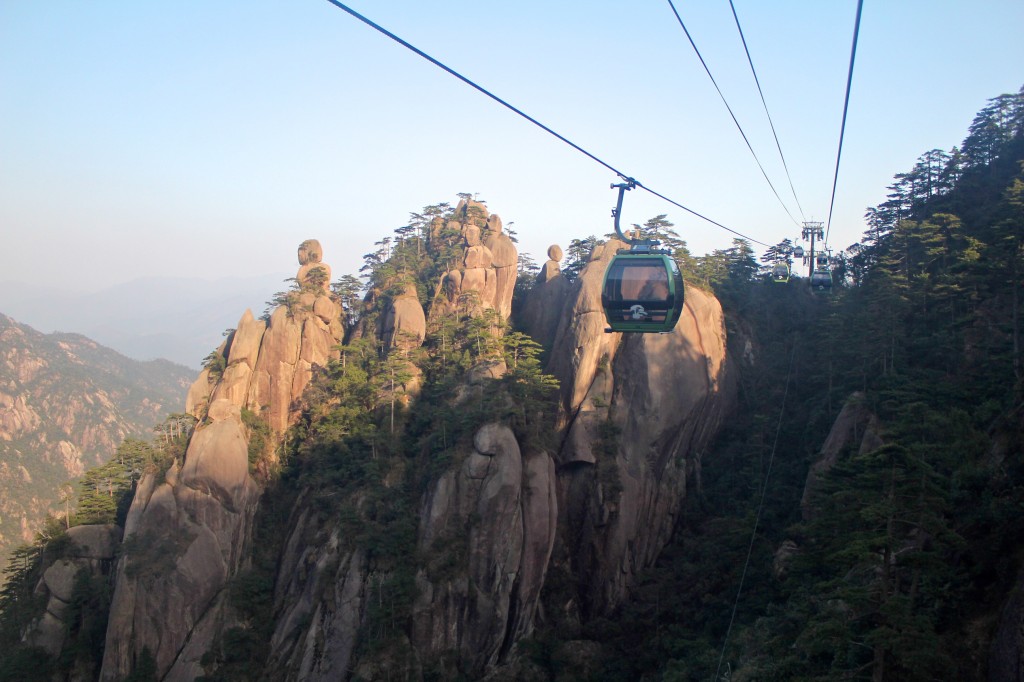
pixel 203 138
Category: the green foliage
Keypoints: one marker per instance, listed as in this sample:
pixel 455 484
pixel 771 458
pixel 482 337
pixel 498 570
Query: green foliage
pixel 26 664
pixel 144 669
pixel 152 554
pixel 105 492
pixel 86 620
pixel 289 298
pixel 259 444
pixel 216 363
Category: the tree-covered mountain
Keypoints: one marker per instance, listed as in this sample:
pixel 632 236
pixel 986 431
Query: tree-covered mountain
pixel 877 452
pixel 65 404
pixel 435 481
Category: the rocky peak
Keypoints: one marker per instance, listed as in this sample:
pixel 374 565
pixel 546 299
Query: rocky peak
pixel 202 514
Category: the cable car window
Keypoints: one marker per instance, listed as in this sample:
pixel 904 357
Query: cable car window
pixel 639 279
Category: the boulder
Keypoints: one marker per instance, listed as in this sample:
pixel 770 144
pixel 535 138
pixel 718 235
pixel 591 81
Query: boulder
pixel 405 323
pixel 95 541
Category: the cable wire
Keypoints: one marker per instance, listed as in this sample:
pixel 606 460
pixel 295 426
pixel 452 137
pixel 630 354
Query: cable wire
pixel 760 507
pixel 778 146
pixel 846 107
pixel 467 81
pixel 729 108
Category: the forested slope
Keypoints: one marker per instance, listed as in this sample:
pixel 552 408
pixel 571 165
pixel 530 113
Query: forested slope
pixel 898 556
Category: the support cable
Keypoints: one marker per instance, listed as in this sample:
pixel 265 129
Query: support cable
pixel 778 146
pixel 846 106
pixel 760 507
pixel 403 43
pixel 734 120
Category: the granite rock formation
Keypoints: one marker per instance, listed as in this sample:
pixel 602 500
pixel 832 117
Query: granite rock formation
pixel 189 529
pixel 486 275
pixel 666 395
pixel 92 550
pixel 600 508
pixel 543 307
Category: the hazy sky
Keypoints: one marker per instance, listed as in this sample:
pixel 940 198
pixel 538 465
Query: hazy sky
pixel 205 138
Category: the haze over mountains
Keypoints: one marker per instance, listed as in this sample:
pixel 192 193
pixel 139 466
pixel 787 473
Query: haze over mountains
pixel 175 318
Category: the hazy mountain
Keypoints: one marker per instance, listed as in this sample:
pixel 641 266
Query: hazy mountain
pixel 66 402
pixel 179 319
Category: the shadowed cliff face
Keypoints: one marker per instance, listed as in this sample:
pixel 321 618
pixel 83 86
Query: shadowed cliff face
pixel 184 537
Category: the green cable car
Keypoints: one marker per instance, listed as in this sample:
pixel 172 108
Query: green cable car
pixel 780 272
pixel 643 289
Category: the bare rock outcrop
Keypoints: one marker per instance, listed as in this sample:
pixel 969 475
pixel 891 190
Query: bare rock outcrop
pixel 505 262
pixel 320 596
pixel 189 529
pixel 637 412
pixel 507 502
pixel 243 352
pixel 486 275
pixel 405 323
pixel 856 427
pixel 543 308
pixel 92 550
pixel 184 538
pixel 268 364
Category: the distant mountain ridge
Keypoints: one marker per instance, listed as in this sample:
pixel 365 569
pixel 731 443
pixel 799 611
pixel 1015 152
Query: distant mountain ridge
pixel 66 402
pixel 176 318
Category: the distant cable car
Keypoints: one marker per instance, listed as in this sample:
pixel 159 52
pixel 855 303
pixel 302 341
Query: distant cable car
pixel 780 272
pixel 821 281
pixel 643 290
pixel 798 252
pixel 821 261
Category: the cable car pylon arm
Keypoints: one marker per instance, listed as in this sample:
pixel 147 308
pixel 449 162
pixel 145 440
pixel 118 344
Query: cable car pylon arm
pixel 623 187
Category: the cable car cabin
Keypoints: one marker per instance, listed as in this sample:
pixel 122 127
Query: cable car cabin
pixel 642 292
pixel 798 252
pixel 821 282
pixel 821 262
pixel 780 273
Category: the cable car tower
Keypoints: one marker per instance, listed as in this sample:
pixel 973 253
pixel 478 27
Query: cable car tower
pixel 812 230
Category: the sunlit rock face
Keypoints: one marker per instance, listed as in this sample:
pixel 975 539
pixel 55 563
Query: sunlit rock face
pixel 268 364
pixel 637 412
pixel 485 276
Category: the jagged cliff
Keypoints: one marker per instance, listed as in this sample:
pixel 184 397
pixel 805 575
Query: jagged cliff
pixel 65 404
pixel 495 515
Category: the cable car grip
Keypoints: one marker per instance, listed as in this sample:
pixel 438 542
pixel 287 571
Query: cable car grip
pixel 623 187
